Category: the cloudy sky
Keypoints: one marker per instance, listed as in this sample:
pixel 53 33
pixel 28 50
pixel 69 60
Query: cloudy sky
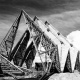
pixel 62 14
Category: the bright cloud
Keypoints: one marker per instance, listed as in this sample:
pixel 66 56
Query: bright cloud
pixel 74 38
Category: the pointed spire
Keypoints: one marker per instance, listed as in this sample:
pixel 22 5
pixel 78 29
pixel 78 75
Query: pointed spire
pixel 7 43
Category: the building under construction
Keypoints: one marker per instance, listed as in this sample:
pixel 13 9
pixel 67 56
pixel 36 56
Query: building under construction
pixel 40 39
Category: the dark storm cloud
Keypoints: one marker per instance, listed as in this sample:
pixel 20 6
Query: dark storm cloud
pixel 9 9
pixel 37 4
pixel 32 6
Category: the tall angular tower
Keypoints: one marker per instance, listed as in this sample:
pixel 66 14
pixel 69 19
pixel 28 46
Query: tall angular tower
pixel 7 43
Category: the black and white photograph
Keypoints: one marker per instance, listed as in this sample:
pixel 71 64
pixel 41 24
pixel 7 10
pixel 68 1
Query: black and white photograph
pixel 39 39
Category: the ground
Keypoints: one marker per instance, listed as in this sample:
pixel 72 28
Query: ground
pixel 66 76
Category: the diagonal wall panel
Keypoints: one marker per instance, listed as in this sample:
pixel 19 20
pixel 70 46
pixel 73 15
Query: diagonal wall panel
pixel 73 55
pixel 7 43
